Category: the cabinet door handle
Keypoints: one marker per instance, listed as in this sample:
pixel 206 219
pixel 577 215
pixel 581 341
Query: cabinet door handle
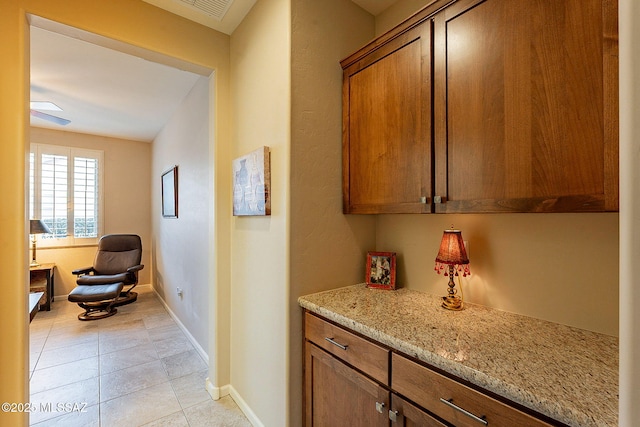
pixel 380 407
pixel 393 416
pixel 449 402
pixel 344 347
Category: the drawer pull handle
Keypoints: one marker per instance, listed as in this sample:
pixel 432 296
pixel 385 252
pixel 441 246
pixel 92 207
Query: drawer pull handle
pixel 344 347
pixel 450 403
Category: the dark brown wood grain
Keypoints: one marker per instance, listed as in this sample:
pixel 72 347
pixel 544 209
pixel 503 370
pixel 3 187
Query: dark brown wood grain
pixel 366 356
pixel 492 105
pixel 387 132
pixel 529 105
pixel 337 395
pixel 340 387
pixel 425 387
pixel 409 415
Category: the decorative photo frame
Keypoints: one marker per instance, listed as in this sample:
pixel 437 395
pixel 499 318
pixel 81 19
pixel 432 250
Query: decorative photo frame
pixel 170 193
pixel 252 183
pixel 381 270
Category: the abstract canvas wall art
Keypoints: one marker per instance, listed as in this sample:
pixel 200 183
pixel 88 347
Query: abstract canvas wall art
pixel 252 184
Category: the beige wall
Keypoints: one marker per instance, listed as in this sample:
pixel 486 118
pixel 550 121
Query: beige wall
pixel 558 267
pixel 398 12
pixel 629 13
pixel 260 58
pixel 14 83
pixel 327 248
pixel 129 21
pixel 127 200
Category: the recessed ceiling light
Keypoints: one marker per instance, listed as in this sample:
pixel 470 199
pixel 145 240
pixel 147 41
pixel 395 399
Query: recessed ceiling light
pixel 44 105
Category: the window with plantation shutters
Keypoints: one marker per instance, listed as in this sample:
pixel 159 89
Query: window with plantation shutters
pixel 54 193
pixel 65 192
pixel 85 197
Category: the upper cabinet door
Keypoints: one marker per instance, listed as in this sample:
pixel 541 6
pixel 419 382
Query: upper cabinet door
pixel 387 142
pixel 526 106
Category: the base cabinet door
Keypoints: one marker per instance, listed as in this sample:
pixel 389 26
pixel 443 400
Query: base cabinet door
pixel 404 414
pixel 337 395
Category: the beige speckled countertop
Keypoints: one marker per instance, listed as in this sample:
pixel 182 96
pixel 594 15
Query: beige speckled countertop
pixel 569 374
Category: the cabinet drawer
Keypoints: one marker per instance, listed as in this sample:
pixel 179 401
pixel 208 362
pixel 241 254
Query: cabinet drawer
pixel 453 401
pixel 364 355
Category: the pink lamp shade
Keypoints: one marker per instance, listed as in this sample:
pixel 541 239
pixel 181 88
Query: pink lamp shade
pixel 452 253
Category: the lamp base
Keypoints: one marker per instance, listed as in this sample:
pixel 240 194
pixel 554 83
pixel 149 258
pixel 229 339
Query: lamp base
pixel 34 263
pixel 452 303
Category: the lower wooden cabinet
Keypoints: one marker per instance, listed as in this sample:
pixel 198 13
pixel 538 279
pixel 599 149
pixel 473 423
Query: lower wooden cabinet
pixel 404 414
pixel 452 401
pixel 344 386
pixel 367 357
pixel 337 395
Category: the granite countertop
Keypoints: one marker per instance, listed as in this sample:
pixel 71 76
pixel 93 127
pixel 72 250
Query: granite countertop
pixel 566 373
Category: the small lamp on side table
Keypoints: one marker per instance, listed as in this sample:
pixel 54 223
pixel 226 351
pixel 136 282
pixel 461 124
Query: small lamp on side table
pixel 36 226
pixel 452 256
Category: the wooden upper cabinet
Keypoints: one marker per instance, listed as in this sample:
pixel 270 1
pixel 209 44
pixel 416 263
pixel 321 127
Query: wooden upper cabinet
pixel 487 105
pixel 525 106
pixel 387 117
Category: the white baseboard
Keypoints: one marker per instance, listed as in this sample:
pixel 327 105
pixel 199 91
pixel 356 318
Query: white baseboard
pixel 216 392
pixel 190 337
pixel 219 392
pixel 251 416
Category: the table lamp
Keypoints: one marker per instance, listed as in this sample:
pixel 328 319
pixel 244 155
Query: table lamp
pixel 452 258
pixel 36 226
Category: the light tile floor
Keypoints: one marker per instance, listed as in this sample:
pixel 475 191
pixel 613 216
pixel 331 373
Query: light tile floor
pixel 136 368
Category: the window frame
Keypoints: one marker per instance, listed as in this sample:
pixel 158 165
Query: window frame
pixel 37 150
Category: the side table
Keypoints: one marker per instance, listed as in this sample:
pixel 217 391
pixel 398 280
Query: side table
pixel 34 304
pixel 42 280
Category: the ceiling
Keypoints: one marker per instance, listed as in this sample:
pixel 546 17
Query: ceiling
pixel 103 91
pixel 104 88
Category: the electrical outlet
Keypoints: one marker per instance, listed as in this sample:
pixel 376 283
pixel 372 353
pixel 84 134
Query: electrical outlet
pixel 179 291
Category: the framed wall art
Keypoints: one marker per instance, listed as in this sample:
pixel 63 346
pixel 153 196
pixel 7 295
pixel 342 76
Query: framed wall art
pixel 252 184
pixel 381 270
pixel 170 193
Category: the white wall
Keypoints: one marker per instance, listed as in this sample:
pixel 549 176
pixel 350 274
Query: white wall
pixel 127 201
pixel 180 246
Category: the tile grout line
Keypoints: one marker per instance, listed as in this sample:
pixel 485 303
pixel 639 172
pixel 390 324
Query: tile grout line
pixel 151 309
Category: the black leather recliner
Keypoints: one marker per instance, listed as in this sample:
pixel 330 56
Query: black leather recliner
pixel 109 282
